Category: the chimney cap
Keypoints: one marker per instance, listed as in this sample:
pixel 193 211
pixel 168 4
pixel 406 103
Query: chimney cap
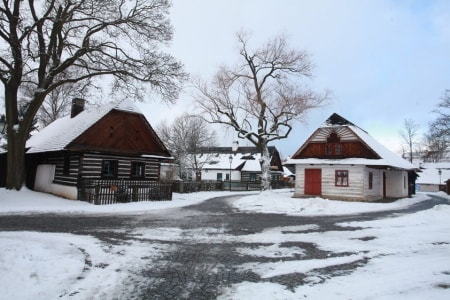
pixel 77 106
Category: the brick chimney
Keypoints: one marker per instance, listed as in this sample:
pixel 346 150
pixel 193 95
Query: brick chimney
pixel 77 106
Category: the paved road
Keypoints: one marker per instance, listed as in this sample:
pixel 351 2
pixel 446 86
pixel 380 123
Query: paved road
pixel 203 262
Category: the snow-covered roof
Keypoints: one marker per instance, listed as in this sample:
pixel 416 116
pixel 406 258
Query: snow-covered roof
pixel 252 165
pixel 221 161
pixel 387 157
pixel 249 162
pixel 57 135
pixel 430 173
pixel 287 172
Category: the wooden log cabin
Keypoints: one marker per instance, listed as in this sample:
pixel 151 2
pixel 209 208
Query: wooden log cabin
pixel 103 155
pixel 342 161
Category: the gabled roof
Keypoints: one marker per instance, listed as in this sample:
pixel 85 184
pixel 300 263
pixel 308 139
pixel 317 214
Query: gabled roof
pixel 430 173
pixel 335 120
pixel 60 133
pixel 240 149
pixel 386 158
pixel 245 159
pixel 245 162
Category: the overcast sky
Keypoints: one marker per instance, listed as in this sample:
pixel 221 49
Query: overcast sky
pixel 383 60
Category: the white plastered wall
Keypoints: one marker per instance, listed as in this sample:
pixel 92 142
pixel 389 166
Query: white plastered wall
pixel 44 183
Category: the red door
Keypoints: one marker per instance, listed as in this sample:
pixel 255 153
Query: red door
pixel 313 182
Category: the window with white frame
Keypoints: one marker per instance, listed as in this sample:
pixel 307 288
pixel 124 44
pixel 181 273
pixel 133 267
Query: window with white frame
pixel 341 178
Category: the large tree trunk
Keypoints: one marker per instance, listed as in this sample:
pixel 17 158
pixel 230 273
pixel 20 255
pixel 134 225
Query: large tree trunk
pixel 15 173
pixel 15 163
pixel 17 136
pixel 265 167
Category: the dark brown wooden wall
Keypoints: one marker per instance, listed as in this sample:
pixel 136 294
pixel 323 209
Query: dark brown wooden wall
pixel 245 175
pixel 72 176
pixel 92 166
pixel 120 132
pixel 349 150
pixel 89 165
pixel 275 162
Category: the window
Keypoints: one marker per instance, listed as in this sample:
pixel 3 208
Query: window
pixel 137 169
pixel 370 180
pixel 66 165
pixel 338 149
pixel 219 176
pixel 341 178
pixel 109 169
pixel 275 177
pixel 253 176
pixel 333 147
pixel 227 177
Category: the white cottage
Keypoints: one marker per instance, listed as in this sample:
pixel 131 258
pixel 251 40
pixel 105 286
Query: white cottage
pixel 243 164
pixel 342 161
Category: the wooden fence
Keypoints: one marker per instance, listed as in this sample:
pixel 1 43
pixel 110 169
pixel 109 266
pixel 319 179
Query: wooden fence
pixel 208 185
pixel 109 191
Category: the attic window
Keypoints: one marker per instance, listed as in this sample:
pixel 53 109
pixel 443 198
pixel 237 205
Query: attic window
pixel 333 138
pixel 333 146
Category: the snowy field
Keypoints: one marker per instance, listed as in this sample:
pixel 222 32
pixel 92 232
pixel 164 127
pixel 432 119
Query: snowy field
pixel 409 254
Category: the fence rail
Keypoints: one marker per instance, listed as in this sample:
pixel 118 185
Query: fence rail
pixel 210 185
pixel 110 191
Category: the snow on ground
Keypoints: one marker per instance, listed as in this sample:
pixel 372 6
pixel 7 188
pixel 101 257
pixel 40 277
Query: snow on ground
pixel 409 259
pixel 26 201
pixel 36 265
pixel 408 255
pixel 276 202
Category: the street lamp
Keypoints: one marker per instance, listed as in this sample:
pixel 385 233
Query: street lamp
pixel 231 160
pixel 234 148
pixel 440 173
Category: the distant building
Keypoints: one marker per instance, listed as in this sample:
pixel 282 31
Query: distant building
pixel 223 164
pixel 433 177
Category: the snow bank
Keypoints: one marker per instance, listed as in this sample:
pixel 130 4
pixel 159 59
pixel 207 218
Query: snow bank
pixel 283 203
pixel 26 201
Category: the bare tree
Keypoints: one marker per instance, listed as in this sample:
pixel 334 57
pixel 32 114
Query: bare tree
pixel 47 44
pixel 442 123
pixel 438 136
pixel 261 96
pixel 436 145
pixel 184 138
pixel 409 135
pixel 59 101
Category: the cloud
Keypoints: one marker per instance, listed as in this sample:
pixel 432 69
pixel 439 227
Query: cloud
pixel 384 60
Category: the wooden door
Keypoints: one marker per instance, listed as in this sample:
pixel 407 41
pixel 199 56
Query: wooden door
pixel 313 182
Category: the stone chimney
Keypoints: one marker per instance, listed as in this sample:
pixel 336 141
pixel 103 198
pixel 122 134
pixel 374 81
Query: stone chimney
pixel 77 106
